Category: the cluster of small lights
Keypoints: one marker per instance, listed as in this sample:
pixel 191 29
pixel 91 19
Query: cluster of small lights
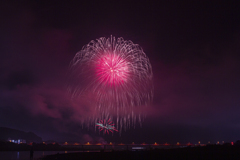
pixel 88 143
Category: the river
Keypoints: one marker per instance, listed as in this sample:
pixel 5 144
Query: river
pixel 25 155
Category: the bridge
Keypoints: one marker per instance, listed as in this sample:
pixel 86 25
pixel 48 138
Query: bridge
pixel 121 147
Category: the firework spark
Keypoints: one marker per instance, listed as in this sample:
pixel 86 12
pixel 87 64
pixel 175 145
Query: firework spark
pixel 117 73
pixel 106 126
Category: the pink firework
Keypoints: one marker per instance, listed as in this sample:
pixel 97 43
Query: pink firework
pixel 112 69
pixel 117 72
pixel 118 76
pixel 106 126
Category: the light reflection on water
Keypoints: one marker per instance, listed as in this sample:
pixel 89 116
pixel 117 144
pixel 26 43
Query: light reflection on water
pixel 25 155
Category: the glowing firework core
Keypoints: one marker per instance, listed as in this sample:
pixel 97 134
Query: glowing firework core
pixel 112 69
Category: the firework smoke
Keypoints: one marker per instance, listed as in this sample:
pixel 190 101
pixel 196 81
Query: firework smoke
pixel 117 73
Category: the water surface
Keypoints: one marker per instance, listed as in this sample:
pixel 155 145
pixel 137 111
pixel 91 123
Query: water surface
pixel 25 155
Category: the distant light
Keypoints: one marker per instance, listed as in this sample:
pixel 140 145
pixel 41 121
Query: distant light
pixel 199 142
pixel 208 142
pixel 177 143
pixel 138 147
pixel 110 143
pixel 88 143
pixel 232 143
pixel 155 143
pixel 222 141
pixel 217 142
pixel 43 142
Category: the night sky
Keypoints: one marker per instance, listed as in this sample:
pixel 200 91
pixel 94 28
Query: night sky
pixel 193 48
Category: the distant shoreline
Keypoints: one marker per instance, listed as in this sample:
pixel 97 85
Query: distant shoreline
pixel 192 153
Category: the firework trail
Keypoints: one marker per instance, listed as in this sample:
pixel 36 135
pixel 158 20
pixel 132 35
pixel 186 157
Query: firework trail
pixel 117 73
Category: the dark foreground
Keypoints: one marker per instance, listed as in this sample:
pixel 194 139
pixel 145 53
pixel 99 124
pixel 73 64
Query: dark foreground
pixel 188 153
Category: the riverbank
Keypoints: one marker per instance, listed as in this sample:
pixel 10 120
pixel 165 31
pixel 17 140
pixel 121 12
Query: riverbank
pixel 191 153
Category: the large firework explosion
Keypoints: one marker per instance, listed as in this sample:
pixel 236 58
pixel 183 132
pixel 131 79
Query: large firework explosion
pixel 118 74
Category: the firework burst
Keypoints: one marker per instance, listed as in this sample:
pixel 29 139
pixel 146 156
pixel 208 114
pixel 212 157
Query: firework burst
pixel 117 73
pixel 106 126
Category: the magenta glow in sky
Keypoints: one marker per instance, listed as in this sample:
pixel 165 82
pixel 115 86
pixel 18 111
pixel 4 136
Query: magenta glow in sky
pixel 193 48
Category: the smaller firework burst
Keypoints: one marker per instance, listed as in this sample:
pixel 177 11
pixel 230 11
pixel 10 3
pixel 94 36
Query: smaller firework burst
pixel 106 126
